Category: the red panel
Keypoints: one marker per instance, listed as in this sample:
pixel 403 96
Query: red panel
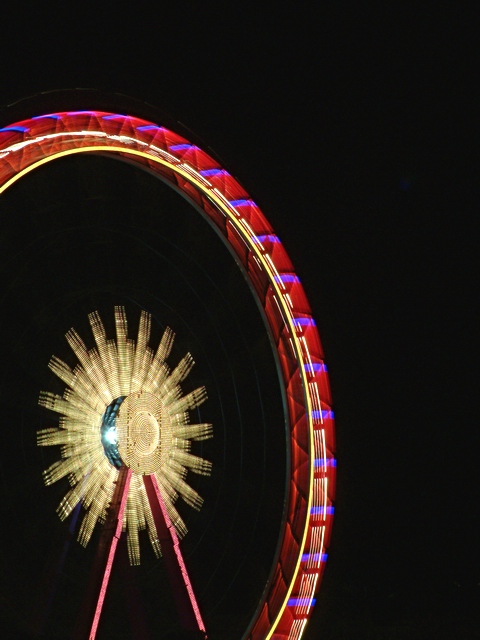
pixel 278 591
pixel 216 216
pixel 274 317
pixel 258 277
pixel 237 242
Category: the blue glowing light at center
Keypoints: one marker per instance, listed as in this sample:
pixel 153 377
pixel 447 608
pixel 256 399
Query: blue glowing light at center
pixel 108 433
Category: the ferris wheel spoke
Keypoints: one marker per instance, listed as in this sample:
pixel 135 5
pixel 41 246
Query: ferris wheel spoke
pixel 111 532
pixel 186 602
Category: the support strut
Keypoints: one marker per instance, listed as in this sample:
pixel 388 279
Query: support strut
pixel 102 567
pixel 185 600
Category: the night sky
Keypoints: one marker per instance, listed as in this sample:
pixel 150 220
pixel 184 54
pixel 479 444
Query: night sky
pixel 353 129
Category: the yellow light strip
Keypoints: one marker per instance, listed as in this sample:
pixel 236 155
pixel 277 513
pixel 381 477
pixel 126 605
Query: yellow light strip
pixel 225 206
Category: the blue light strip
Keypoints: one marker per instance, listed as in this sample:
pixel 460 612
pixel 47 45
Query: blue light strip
pixel 51 116
pixel 149 127
pixel 182 147
pixel 207 173
pixel 286 277
pixel 115 116
pixel 268 238
pixel 304 322
pixel 20 129
pixel 323 415
pixel 320 511
pixel 316 366
pixel 324 462
pixel 314 557
pixel 242 203
pixel 301 602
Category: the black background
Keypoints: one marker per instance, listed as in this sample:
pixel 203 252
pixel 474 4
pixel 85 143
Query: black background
pixel 354 130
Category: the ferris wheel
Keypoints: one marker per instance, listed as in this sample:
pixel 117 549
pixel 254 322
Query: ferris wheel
pixel 130 465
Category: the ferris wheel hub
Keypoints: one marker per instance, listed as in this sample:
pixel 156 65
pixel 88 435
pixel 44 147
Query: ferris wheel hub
pixel 144 432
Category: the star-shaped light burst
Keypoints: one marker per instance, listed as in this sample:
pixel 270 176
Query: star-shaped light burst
pixel 123 406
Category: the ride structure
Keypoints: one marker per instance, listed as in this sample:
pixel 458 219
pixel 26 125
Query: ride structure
pixel 222 201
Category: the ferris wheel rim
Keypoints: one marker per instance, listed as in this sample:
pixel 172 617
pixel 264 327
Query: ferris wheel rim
pixel 29 144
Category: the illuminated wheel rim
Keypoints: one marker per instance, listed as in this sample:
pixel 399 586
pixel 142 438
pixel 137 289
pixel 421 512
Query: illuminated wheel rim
pixel 290 592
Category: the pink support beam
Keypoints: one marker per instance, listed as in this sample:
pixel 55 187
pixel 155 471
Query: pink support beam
pixel 121 501
pixel 102 569
pixel 182 587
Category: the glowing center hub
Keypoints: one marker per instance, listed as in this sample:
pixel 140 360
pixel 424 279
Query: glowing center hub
pixel 143 426
pixel 144 432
